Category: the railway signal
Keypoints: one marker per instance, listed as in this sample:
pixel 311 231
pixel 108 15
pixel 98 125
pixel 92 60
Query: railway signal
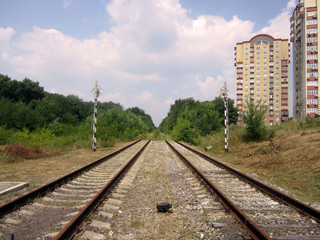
pixel 96 92
pixel 224 94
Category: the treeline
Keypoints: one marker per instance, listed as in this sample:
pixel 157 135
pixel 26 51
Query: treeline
pixel 26 108
pixel 188 119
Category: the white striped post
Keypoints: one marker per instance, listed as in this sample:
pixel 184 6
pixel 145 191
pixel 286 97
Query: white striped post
pixel 96 91
pixel 224 93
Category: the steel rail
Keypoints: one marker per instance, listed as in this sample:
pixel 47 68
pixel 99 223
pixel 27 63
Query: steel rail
pixel 252 228
pixel 282 197
pixel 41 191
pixel 69 231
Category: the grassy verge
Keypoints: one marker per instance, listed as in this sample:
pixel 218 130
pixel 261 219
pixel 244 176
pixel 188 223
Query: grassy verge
pixel 290 160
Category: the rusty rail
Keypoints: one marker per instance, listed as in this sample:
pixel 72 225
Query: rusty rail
pixel 252 228
pixel 282 197
pixel 69 231
pixel 41 191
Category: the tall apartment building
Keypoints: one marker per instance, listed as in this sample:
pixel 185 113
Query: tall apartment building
pixel 262 74
pixel 305 40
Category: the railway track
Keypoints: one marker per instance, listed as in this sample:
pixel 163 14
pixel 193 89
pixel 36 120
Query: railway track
pixel 58 209
pixel 88 203
pixel 263 216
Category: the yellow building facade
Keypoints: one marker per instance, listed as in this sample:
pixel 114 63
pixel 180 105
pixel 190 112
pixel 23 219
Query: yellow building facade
pixel 262 74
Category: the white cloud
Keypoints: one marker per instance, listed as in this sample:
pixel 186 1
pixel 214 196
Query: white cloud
pixel 279 27
pixel 150 43
pixel 67 3
pixel 210 87
pixel 116 97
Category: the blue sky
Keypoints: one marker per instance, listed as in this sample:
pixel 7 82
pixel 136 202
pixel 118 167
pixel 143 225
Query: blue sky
pixel 144 53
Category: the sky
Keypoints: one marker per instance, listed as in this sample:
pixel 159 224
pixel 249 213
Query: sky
pixel 144 53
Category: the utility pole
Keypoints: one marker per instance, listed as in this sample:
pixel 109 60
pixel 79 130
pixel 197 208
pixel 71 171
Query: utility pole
pixel 96 92
pixel 224 94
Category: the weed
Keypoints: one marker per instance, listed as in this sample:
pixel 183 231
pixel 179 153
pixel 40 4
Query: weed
pixel 136 223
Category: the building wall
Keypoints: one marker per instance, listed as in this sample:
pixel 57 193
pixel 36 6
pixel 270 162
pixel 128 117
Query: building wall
pixel 304 36
pixel 262 74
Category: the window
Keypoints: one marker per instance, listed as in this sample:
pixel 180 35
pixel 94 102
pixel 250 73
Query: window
pixel 312 65
pixel 312 48
pixel 310 14
pixel 312 74
pixel 312 92
pixel 312 56
pixel 312 110
pixel 312 83
pixel 312 30
pixel 312 101
pixel 311 22
pixel 312 39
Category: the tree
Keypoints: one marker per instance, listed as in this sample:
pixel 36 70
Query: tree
pixel 253 117
pixel 24 91
pixel 232 110
pixel 183 131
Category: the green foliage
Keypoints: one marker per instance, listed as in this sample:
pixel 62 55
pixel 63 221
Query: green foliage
pixel 117 123
pixel 37 118
pixel 232 111
pixel 144 117
pixel 183 131
pixel 4 135
pixel 24 91
pixel 201 118
pixel 253 117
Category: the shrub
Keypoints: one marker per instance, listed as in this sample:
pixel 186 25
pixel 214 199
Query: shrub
pixel 184 132
pixel 253 117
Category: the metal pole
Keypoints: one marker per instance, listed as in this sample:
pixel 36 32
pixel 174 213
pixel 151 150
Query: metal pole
pixel 224 93
pixel 96 91
pixel 226 132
